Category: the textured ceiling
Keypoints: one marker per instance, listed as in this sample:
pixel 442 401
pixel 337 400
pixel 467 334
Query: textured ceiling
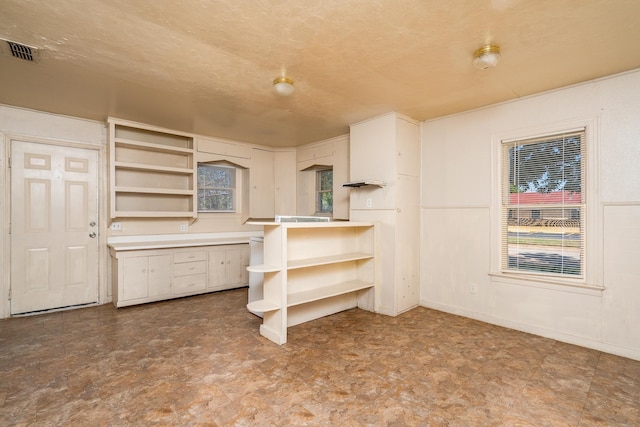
pixel 206 66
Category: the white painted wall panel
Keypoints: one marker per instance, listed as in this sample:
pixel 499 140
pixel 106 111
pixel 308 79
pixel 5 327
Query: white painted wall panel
pixel 621 313
pixel 454 161
pixel 539 309
pixel 455 238
pixel 455 258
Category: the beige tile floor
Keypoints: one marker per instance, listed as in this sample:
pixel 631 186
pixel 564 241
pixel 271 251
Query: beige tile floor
pixel 200 361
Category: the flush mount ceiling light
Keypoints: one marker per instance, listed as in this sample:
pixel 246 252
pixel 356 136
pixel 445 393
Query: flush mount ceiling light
pixel 486 57
pixel 283 86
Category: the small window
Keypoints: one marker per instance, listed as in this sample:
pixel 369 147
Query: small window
pixel 543 205
pixel 324 191
pixel 216 188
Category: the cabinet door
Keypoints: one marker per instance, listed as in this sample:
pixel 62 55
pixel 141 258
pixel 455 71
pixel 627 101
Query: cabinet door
pixel 135 278
pixel 285 182
pixel 261 192
pixel 159 275
pixel 216 268
pixel 236 266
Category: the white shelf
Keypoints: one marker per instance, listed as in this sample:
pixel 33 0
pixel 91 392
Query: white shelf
pixel 262 306
pixel 150 190
pixel 263 268
pixel 145 167
pixel 319 293
pixel 149 146
pixel 330 259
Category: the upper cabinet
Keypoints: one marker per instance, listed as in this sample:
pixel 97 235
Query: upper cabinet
pixel 284 162
pixel 152 172
pixel 261 184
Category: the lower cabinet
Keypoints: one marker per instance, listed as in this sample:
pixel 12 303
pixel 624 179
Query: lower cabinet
pixel 148 275
pixel 228 267
pixel 189 272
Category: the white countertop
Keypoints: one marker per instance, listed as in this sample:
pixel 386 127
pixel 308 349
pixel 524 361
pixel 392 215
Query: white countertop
pixel 160 241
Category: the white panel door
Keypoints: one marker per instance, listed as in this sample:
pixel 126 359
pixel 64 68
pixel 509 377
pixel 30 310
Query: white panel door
pixel 54 216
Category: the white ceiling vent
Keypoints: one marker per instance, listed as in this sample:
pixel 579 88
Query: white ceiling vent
pixel 19 50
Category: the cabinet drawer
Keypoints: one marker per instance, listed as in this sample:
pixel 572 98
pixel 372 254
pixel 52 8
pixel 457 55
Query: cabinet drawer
pixel 188 268
pixel 189 284
pixel 189 256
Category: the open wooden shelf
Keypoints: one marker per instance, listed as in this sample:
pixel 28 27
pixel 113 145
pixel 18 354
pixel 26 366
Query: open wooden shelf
pixel 316 269
pixel 329 291
pixel 154 164
pixel 263 268
pixel 329 259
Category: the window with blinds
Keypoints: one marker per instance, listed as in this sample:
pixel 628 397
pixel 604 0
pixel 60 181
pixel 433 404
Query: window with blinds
pixel 543 205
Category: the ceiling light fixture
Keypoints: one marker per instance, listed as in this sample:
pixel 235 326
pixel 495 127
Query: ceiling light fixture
pixel 486 57
pixel 283 86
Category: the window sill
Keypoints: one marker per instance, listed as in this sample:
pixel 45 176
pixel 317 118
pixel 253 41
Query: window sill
pixel 562 285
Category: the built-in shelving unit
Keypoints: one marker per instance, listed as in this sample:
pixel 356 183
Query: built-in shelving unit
pixel 152 172
pixel 312 270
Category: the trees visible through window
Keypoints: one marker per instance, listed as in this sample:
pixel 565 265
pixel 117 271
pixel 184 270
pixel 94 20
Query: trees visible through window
pixel 543 205
pixel 216 188
pixel 324 191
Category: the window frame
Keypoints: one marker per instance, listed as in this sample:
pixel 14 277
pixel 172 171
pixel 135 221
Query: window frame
pixel 318 191
pixel 233 190
pixel 592 277
pixel 524 210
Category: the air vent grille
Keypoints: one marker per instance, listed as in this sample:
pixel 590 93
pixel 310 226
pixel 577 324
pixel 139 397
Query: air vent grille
pixel 19 50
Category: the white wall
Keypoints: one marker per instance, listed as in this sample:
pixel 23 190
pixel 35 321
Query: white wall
pixel 458 220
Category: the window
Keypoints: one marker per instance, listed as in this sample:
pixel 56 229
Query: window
pixel 216 188
pixel 543 205
pixel 324 191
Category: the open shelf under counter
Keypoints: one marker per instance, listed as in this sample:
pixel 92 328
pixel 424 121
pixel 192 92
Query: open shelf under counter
pixel 329 259
pixel 329 291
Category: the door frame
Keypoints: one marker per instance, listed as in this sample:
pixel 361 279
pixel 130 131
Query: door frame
pixel 5 213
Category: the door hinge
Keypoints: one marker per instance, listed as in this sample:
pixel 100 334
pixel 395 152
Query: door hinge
pixel 9 162
pixel 9 294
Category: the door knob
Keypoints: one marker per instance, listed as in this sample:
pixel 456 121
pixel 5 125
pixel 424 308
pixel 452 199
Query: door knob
pixel 92 235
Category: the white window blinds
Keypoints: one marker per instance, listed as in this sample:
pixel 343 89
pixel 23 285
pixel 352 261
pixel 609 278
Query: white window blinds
pixel 543 205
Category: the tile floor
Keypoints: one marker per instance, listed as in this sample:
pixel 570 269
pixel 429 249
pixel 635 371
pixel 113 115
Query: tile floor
pixel 200 361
